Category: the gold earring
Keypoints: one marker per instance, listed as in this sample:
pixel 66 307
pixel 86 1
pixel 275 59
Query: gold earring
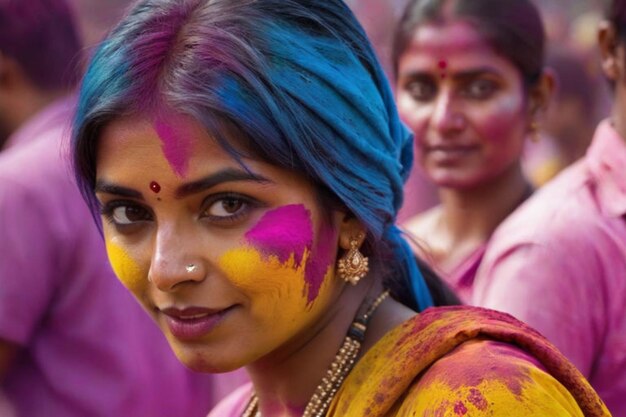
pixel 353 265
pixel 534 131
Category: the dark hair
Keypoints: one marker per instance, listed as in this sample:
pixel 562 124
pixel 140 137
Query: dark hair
pixel 42 37
pixel 616 14
pixel 513 28
pixel 295 80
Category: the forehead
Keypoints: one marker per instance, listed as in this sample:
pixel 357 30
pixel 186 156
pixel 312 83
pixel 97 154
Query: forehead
pixel 156 142
pixel 457 43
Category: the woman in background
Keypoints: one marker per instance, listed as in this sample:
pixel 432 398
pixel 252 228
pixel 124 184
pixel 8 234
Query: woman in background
pixel 472 87
pixel 247 160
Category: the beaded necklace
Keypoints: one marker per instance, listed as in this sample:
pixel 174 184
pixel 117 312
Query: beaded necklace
pixel 337 371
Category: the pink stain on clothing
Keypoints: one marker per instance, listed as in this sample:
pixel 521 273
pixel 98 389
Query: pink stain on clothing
pixel 476 398
pixel 176 143
pixel 282 232
pixel 460 409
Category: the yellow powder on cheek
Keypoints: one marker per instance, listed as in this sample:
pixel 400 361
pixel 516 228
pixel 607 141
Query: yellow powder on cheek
pixel 126 269
pixel 277 290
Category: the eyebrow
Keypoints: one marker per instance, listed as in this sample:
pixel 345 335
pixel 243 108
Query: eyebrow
pixel 460 75
pixel 108 188
pixel 226 175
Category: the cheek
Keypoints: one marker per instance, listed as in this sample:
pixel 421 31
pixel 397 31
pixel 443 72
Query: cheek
pixel 126 269
pixel 502 122
pixel 276 289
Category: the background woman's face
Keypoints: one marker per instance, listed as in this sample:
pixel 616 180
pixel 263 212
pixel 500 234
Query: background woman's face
pixel 231 264
pixel 466 105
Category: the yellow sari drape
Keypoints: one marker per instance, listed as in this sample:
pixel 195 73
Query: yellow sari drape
pixel 465 361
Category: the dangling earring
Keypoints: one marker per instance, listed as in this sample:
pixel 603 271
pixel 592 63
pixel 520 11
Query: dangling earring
pixel 353 265
pixel 534 131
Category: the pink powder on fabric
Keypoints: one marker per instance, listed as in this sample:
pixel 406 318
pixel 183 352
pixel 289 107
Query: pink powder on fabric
pixel 460 409
pixel 282 232
pixel 176 144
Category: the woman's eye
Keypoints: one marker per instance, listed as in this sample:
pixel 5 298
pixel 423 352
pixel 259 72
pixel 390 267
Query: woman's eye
pixel 124 215
pixel 226 207
pixel 480 89
pixel 421 90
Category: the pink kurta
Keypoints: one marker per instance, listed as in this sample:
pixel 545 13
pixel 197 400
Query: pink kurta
pixel 559 264
pixel 461 278
pixel 86 348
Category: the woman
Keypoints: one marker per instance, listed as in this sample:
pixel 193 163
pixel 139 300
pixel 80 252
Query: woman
pixel 230 146
pixel 471 86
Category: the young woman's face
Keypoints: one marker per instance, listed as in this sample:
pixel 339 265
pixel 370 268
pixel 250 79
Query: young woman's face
pixel 466 105
pixel 231 264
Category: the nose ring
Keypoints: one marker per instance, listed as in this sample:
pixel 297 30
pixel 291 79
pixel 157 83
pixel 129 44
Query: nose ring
pixel 191 268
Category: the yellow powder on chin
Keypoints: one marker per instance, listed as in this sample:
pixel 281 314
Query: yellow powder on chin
pixel 126 269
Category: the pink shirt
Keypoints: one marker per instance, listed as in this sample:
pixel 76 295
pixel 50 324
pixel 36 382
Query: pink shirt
pixel 461 278
pixel 559 264
pixel 86 347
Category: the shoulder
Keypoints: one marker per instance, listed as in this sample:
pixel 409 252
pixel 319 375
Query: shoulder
pixel 489 378
pixel 545 222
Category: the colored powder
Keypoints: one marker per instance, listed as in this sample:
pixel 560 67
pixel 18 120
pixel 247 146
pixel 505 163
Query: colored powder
pixel 283 232
pixel 125 268
pixel 176 143
pixel 319 264
pixel 276 287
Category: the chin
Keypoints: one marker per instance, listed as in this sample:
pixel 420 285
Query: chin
pixel 199 360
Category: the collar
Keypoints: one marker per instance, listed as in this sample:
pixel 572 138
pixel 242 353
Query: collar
pixel 606 159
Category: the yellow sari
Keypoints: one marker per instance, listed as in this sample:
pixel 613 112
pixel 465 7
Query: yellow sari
pixel 465 361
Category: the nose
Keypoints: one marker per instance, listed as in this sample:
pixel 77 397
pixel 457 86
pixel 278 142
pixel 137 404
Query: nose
pixel 174 260
pixel 447 118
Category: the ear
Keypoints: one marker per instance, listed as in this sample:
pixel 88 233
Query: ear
pixel 10 73
pixel 540 96
pixel 610 56
pixel 542 92
pixel 350 228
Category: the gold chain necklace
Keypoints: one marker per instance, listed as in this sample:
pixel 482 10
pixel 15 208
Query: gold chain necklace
pixel 337 371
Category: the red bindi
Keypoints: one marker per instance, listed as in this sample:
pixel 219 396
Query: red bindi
pixel 155 187
pixel 442 66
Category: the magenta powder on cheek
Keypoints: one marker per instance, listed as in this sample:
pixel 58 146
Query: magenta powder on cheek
pixel 282 232
pixel 319 261
pixel 176 146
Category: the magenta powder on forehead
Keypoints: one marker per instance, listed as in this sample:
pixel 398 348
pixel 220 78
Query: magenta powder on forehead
pixel 176 144
pixel 282 232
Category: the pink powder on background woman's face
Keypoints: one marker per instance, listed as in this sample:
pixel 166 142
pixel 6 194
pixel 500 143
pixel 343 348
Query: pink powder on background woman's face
pixel 466 105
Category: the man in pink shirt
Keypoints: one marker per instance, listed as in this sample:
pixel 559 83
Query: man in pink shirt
pixel 559 262
pixel 73 342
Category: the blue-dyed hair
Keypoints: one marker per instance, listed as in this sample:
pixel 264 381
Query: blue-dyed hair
pixel 295 82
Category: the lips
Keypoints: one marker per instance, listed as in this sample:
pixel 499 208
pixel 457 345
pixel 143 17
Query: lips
pixel 193 322
pixel 450 152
